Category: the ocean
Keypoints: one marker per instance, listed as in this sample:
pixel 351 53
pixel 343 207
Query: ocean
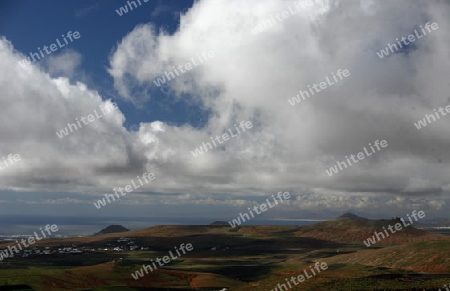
pixel 20 225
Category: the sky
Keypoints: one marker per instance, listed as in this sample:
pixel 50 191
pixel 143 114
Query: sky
pixel 243 62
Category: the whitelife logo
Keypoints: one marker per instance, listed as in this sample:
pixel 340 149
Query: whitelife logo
pixel 147 177
pixel 385 52
pixel 423 122
pixel 122 10
pixel 53 47
pixel 140 273
pixel 301 278
pixel 31 240
pixel 90 118
pixel 360 155
pixel 263 207
pixel 270 22
pixel 188 66
pixel 304 94
pixel 199 151
pixel 398 226
pixel 9 161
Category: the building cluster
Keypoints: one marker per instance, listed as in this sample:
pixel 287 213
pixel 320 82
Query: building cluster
pixel 121 244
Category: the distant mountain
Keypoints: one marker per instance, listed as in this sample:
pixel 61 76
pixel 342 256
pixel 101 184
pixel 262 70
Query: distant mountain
pixel 352 216
pixel 112 229
pixel 218 222
pixel 419 256
pixel 348 229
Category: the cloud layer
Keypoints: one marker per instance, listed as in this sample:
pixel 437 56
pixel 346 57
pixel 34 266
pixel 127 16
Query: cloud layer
pixel 250 79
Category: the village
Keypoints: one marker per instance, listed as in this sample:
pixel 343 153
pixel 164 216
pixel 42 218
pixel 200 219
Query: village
pixel 121 244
